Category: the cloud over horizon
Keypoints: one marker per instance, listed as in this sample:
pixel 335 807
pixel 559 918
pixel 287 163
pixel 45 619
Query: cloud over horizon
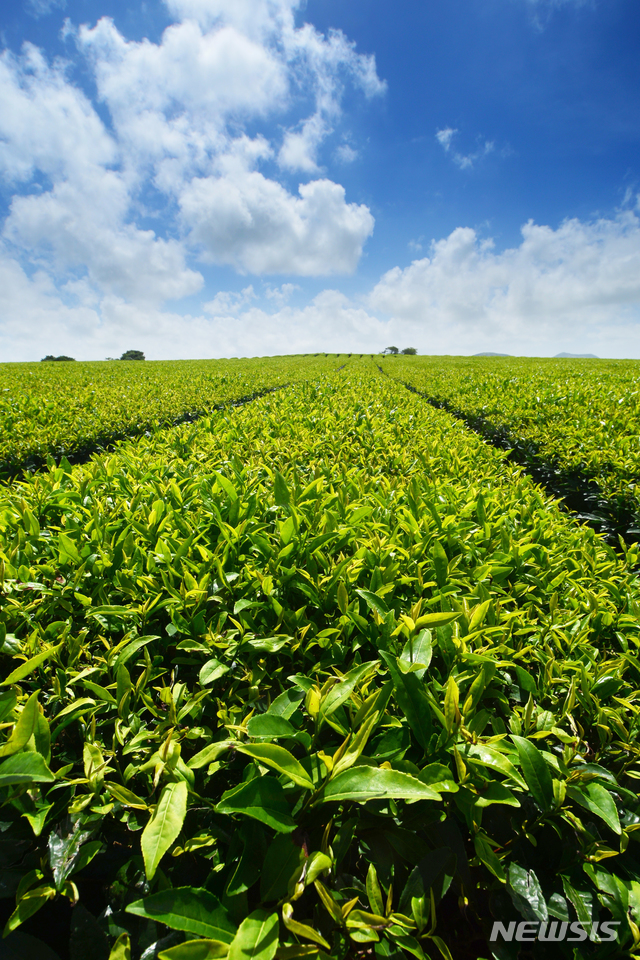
pixel 574 281
pixel 179 171
pixel 578 284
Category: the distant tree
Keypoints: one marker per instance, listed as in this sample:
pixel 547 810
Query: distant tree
pixel 409 351
pixel 132 355
pixel 50 356
pixel 392 350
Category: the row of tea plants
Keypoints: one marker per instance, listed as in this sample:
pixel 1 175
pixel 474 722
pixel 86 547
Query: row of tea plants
pixel 55 410
pixel 581 417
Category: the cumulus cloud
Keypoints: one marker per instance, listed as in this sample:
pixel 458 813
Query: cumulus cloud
pixel 299 148
pixel 227 302
pixel 82 222
pixel 36 319
pixel 173 100
pixel 42 319
pixel 574 288
pixel 113 198
pixel 280 295
pixel 257 226
pixel 331 322
pixel 78 228
pixel 575 281
pixel 46 124
pixel 258 18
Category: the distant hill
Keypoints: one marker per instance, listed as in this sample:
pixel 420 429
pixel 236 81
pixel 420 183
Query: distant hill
pixel 576 356
pixel 489 353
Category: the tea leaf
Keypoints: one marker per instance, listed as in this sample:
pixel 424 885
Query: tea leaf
pixel 164 825
pixel 596 799
pixel 371 783
pixel 262 798
pixel 196 950
pixel 26 669
pixel 257 937
pixel 278 758
pixel 191 909
pixel 25 768
pixel 536 772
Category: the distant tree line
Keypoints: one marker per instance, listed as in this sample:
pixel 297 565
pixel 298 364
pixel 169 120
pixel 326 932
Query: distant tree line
pixel 408 351
pixel 132 355
pixel 127 355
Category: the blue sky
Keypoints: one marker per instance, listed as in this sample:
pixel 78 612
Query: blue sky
pixel 202 178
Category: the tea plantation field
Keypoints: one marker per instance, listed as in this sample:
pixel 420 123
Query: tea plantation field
pixel 72 409
pixel 577 419
pixel 321 673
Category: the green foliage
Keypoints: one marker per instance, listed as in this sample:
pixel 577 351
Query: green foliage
pixel 323 675
pixel 132 355
pixel 48 410
pixel 579 417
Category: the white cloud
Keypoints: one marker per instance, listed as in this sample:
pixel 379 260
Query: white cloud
pixel 83 221
pixel 462 160
pixel 227 302
pixel 346 154
pixel 299 148
pixel 46 124
pixel 81 224
pixel 577 281
pixel 40 8
pixel 39 320
pixel 255 225
pixel 330 323
pixel 257 18
pixel 35 320
pixel 466 161
pixel 173 100
pixel 323 62
pixel 444 137
pixel 576 288
pixel 112 198
pixel 175 149
pixel 282 294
